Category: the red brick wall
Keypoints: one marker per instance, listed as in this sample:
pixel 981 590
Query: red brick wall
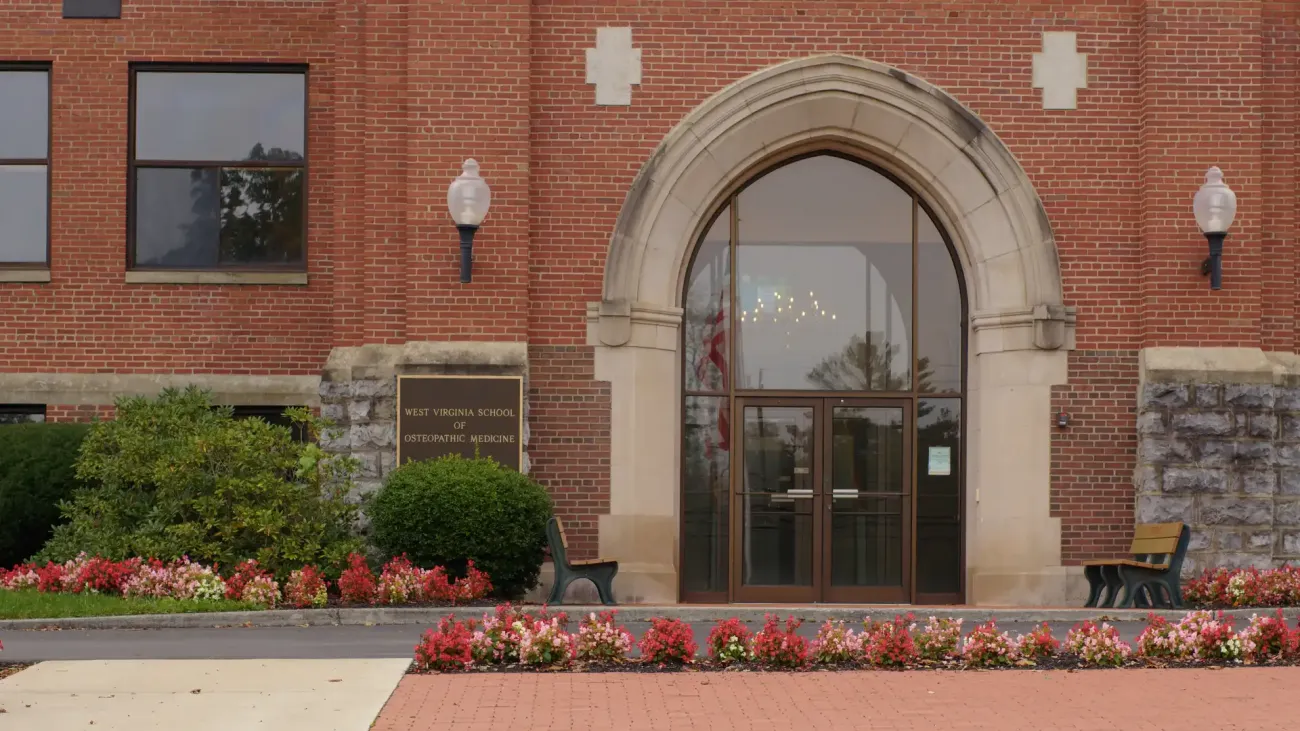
pixel 569 438
pixel 1200 108
pixel 64 412
pixel 1280 194
pixel 401 92
pixel 1093 456
pixel 87 319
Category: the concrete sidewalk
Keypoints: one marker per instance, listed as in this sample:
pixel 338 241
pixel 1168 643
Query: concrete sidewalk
pixel 199 695
pixel 377 616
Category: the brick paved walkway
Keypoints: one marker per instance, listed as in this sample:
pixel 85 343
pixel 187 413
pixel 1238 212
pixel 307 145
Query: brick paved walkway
pixel 1245 699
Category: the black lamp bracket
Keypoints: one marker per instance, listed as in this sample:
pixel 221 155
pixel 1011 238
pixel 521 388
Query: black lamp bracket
pixel 1213 264
pixel 466 252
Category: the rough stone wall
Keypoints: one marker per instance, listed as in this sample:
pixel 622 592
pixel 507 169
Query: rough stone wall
pixel 1225 459
pixel 365 412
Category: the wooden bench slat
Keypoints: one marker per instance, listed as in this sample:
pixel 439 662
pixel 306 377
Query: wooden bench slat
pixel 1143 564
pixel 1157 530
pixel 1158 546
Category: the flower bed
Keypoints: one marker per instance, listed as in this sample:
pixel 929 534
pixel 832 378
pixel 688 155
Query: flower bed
pixel 509 640
pixel 1244 588
pixel 399 583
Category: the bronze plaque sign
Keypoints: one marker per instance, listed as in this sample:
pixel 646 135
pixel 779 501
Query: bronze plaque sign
pixel 441 415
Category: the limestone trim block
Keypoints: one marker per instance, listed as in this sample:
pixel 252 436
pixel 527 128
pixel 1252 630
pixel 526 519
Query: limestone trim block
pixel 979 192
pixel 30 276
pixel 383 361
pixel 614 67
pixel 1218 365
pixel 1043 327
pixel 1060 70
pixel 103 389
pixel 637 325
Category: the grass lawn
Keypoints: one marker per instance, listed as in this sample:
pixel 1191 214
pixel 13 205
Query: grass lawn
pixel 31 604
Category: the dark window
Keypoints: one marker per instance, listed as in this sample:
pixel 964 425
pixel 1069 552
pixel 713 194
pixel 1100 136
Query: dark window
pixel 271 415
pixel 21 413
pixel 92 8
pixel 24 165
pixel 218 168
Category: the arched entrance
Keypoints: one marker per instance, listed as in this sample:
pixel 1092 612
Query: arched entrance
pixel 822 336
pixel 1015 336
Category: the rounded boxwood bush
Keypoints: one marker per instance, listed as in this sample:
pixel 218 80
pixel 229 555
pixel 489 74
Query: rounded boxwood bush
pixel 452 510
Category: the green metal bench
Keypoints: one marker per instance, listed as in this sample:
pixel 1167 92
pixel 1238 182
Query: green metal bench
pixel 1150 578
pixel 598 571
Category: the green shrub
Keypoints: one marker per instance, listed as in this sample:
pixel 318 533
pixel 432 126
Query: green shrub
pixel 447 511
pixel 174 476
pixel 37 471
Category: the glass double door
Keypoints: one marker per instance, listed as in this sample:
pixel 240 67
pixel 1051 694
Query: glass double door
pixel 822 500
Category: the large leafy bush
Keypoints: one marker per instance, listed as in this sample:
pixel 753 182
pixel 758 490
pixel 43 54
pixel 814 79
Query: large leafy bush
pixel 174 476
pixel 37 472
pixel 452 510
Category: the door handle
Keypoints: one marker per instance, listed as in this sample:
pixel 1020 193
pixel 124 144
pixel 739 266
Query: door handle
pixel 800 493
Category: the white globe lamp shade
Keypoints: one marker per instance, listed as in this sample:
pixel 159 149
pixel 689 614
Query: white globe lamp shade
pixel 1215 205
pixel 469 197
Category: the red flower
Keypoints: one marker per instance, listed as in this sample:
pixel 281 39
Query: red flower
pixel 668 641
pixel 244 573
pixel 781 648
pixel 357 582
pixel 720 644
pixel 889 644
pixel 445 650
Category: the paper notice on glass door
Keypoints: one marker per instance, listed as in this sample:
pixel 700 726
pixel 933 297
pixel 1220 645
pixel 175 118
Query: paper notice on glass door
pixel 940 461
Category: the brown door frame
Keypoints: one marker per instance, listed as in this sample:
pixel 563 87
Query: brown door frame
pixel 772 594
pixel 902 593
pixel 822 505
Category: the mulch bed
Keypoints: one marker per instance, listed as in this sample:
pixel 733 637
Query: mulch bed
pixel 1068 663
pixel 9 668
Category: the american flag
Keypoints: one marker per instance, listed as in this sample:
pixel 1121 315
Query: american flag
pixel 714 355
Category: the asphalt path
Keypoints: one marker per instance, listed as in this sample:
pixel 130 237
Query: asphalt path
pixel 294 642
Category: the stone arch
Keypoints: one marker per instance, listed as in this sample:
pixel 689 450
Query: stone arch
pixel 1018 330
pixel 908 126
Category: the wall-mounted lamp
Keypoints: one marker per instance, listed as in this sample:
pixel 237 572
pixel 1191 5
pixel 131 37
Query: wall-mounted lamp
pixel 1215 206
pixel 468 200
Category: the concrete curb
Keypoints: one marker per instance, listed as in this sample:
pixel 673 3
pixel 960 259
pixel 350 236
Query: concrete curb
pixel 373 616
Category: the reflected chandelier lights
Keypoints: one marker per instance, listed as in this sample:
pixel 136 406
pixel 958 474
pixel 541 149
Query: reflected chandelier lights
pixel 785 308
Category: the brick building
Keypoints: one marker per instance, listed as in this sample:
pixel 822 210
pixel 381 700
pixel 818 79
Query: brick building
pixel 964 345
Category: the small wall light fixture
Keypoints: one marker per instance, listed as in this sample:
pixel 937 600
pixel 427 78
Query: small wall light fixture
pixel 468 200
pixel 1215 206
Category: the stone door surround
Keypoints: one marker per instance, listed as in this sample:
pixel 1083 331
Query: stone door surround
pixel 1019 333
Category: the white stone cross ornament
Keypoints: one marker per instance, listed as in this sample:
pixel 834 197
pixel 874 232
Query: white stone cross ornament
pixel 614 66
pixel 1060 70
